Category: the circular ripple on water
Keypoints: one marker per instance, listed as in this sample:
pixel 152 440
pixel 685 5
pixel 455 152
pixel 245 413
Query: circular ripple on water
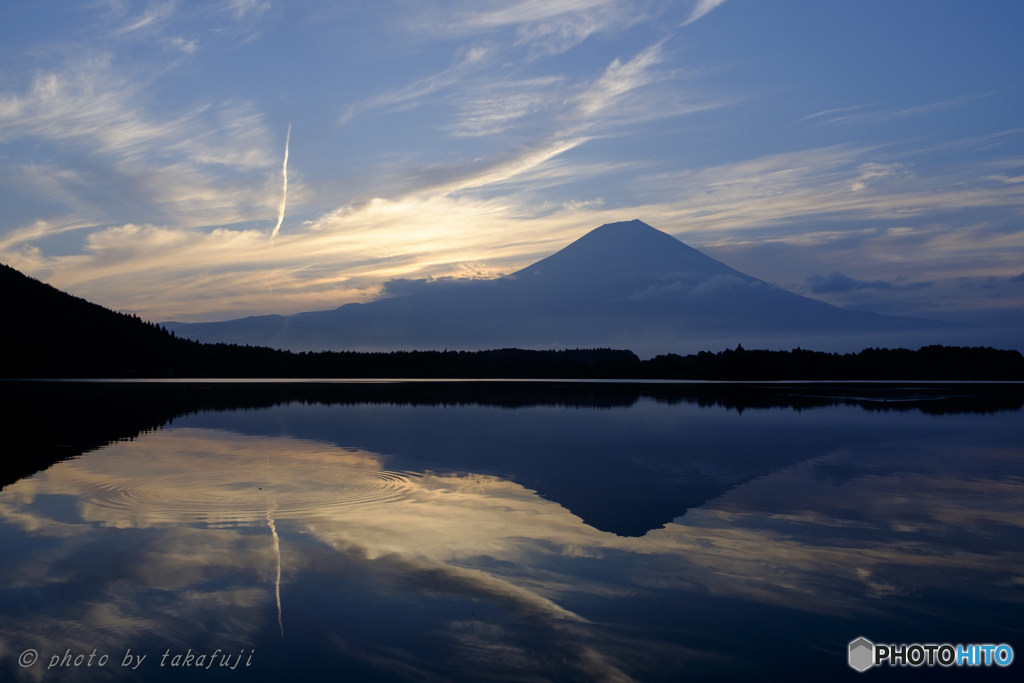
pixel 227 496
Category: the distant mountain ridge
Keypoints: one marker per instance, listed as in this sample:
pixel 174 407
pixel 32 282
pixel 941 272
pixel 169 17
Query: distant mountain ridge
pixel 617 285
pixel 51 334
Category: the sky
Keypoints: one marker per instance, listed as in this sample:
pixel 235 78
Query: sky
pixel 200 161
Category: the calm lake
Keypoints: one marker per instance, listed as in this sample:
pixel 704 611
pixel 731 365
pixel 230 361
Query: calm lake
pixel 505 532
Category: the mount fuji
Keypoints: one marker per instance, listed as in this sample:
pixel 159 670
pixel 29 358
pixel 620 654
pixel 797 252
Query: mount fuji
pixel 622 285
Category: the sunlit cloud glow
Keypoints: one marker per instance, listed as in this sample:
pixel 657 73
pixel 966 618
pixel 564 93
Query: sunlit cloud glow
pixel 466 140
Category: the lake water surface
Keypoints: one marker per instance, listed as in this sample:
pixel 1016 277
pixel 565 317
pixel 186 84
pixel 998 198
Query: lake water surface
pixel 513 537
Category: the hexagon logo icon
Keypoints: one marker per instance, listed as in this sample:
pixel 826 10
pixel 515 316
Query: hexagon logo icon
pixel 862 654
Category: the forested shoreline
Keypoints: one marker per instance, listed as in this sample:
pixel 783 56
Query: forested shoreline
pixel 50 334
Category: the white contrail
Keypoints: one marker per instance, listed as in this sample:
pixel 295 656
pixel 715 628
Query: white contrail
pixel 284 190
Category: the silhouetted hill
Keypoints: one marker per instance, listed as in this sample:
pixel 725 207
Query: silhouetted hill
pixel 620 285
pixel 50 334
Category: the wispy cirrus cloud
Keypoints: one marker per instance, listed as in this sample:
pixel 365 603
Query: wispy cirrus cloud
pixel 509 170
pixel 348 254
pixel 90 105
pixel 837 282
pixel 516 147
pixel 827 182
pixel 170 160
pixel 871 173
pixel 548 28
pixel 558 107
pixel 18 241
pixel 105 115
pixel 519 12
pixel 842 115
pixel 701 9
pixel 183 44
pixel 179 24
pixel 829 112
pixel 248 8
pixel 154 14
pixel 412 95
pixel 620 78
pixel 503 104
pixel 178 267
pixel 561 117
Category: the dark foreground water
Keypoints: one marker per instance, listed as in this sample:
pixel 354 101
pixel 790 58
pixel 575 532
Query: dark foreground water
pixel 506 534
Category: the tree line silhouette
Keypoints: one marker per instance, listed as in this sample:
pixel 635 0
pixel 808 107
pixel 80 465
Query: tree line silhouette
pixel 51 334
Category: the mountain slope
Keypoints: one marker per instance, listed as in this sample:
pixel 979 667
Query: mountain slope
pixel 48 333
pixel 51 334
pixel 622 284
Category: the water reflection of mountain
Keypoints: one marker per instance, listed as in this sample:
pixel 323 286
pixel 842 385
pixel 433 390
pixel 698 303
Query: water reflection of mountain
pixel 171 541
pixel 626 485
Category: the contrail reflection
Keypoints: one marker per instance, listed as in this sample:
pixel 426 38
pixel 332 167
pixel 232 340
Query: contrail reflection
pixel 277 581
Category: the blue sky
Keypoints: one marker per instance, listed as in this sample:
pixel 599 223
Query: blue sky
pixel 870 154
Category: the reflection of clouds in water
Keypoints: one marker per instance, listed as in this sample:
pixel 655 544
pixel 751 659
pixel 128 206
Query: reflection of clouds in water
pixel 346 499
pixel 222 480
pixel 796 538
pixel 923 515
pixel 189 476
pixel 108 589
